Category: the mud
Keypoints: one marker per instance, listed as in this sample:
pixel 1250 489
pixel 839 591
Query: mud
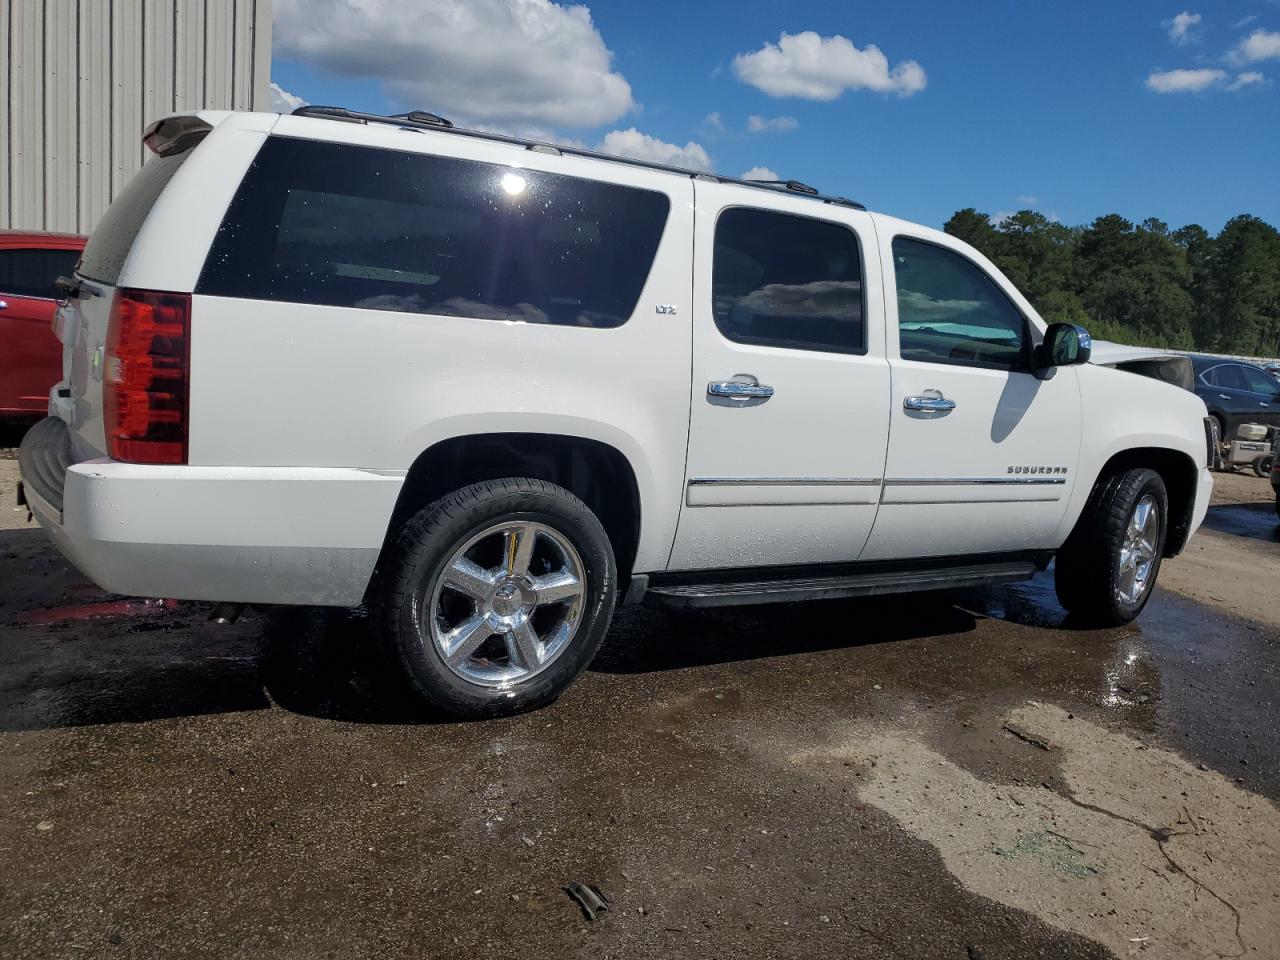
pixel 948 776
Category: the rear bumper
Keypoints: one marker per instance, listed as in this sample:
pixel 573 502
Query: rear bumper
pixel 295 535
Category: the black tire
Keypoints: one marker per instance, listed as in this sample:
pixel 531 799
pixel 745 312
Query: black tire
pixel 1262 465
pixel 414 561
pixel 1087 566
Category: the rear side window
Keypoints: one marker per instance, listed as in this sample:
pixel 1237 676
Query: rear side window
pixel 351 226
pixel 30 272
pixel 786 281
pixel 1227 376
pixel 113 236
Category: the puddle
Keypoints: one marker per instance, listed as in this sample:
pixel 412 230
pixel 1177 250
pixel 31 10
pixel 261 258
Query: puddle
pixel 1258 521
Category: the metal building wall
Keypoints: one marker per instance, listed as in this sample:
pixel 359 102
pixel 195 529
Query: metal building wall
pixel 79 79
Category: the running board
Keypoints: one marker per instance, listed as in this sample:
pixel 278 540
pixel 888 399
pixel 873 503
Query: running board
pixel 741 592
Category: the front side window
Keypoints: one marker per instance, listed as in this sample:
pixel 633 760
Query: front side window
pixel 351 226
pixel 786 281
pixel 1259 382
pixel 30 272
pixel 951 311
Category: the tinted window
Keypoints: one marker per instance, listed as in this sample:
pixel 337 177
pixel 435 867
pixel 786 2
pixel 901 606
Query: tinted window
pixel 353 226
pixel 31 272
pixel 787 281
pixel 1258 381
pixel 111 239
pixel 1227 376
pixel 950 311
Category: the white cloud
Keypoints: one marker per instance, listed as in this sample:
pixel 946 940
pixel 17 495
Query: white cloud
pixel 1028 200
pixel 1194 81
pixel 282 101
pixel 493 61
pixel 760 173
pixel 1244 21
pixel 821 68
pixel 757 124
pixel 1184 81
pixel 1259 45
pixel 713 122
pixel 1247 79
pixel 640 146
pixel 1180 27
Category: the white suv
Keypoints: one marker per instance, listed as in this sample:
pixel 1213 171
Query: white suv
pixel 490 386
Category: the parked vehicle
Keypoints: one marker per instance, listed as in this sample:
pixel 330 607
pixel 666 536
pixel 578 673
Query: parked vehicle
pixel 490 387
pixel 1236 393
pixel 30 354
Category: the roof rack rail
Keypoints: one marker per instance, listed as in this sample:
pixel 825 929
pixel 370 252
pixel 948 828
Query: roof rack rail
pixel 414 118
pixel 431 121
pixel 795 185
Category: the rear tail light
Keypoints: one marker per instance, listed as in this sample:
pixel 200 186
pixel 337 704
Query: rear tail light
pixel 146 376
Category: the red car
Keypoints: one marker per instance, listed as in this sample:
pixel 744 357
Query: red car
pixel 30 355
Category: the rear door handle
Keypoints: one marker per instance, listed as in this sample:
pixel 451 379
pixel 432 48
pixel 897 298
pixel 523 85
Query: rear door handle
pixel 4 304
pixel 931 401
pixel 739 389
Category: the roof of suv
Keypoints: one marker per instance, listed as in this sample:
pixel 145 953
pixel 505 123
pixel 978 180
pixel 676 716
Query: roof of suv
pixel 422 119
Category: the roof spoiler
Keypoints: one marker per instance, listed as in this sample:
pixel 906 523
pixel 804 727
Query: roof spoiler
pixel 171 135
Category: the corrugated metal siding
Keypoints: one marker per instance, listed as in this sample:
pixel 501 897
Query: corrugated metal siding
pixel 79 79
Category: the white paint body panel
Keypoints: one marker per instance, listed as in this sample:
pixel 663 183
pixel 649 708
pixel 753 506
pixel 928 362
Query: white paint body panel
pixel 952 479
pixel 819 439
pixel 304 419
pixel 252 535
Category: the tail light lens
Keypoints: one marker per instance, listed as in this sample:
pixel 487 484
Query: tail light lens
pixel 146 376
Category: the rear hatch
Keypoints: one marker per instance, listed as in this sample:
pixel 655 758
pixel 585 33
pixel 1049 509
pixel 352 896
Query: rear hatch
pixel 82 322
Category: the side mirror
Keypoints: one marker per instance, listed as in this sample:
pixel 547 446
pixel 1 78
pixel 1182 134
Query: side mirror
pixel 1064 345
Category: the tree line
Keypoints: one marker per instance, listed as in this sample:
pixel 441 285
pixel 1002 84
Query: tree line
pixel 1142 284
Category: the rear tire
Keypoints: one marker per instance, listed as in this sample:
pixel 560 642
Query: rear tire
pixel 492 599
pixel 1105 572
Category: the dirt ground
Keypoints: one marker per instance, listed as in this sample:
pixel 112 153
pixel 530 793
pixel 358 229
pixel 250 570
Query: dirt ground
pixel 954 776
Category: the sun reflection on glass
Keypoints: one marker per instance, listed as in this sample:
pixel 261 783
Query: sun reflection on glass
pixel 513 184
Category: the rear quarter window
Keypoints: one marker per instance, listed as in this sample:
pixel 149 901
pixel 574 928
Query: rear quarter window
pixel 350 226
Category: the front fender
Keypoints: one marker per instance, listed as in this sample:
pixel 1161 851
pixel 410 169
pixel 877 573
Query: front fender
pixel 1124 412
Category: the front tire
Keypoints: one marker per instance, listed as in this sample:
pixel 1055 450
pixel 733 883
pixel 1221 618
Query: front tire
pixel 1105 572
pixel 492 599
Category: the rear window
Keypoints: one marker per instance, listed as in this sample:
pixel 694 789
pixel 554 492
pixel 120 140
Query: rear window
pixel 30 272
pixel 110 241
pixel 350 226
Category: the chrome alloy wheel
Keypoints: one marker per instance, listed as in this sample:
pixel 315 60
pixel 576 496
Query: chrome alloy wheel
pixel 1138 551
pixel 507 603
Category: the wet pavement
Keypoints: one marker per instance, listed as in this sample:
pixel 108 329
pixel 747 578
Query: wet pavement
pixel 963 775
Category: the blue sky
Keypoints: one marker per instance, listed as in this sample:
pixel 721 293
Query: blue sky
pixel 1072 109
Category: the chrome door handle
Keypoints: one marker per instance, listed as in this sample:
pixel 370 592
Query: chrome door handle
pixel 4 304
pixel 931 401
pixel 739 390
pixel 1224 396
